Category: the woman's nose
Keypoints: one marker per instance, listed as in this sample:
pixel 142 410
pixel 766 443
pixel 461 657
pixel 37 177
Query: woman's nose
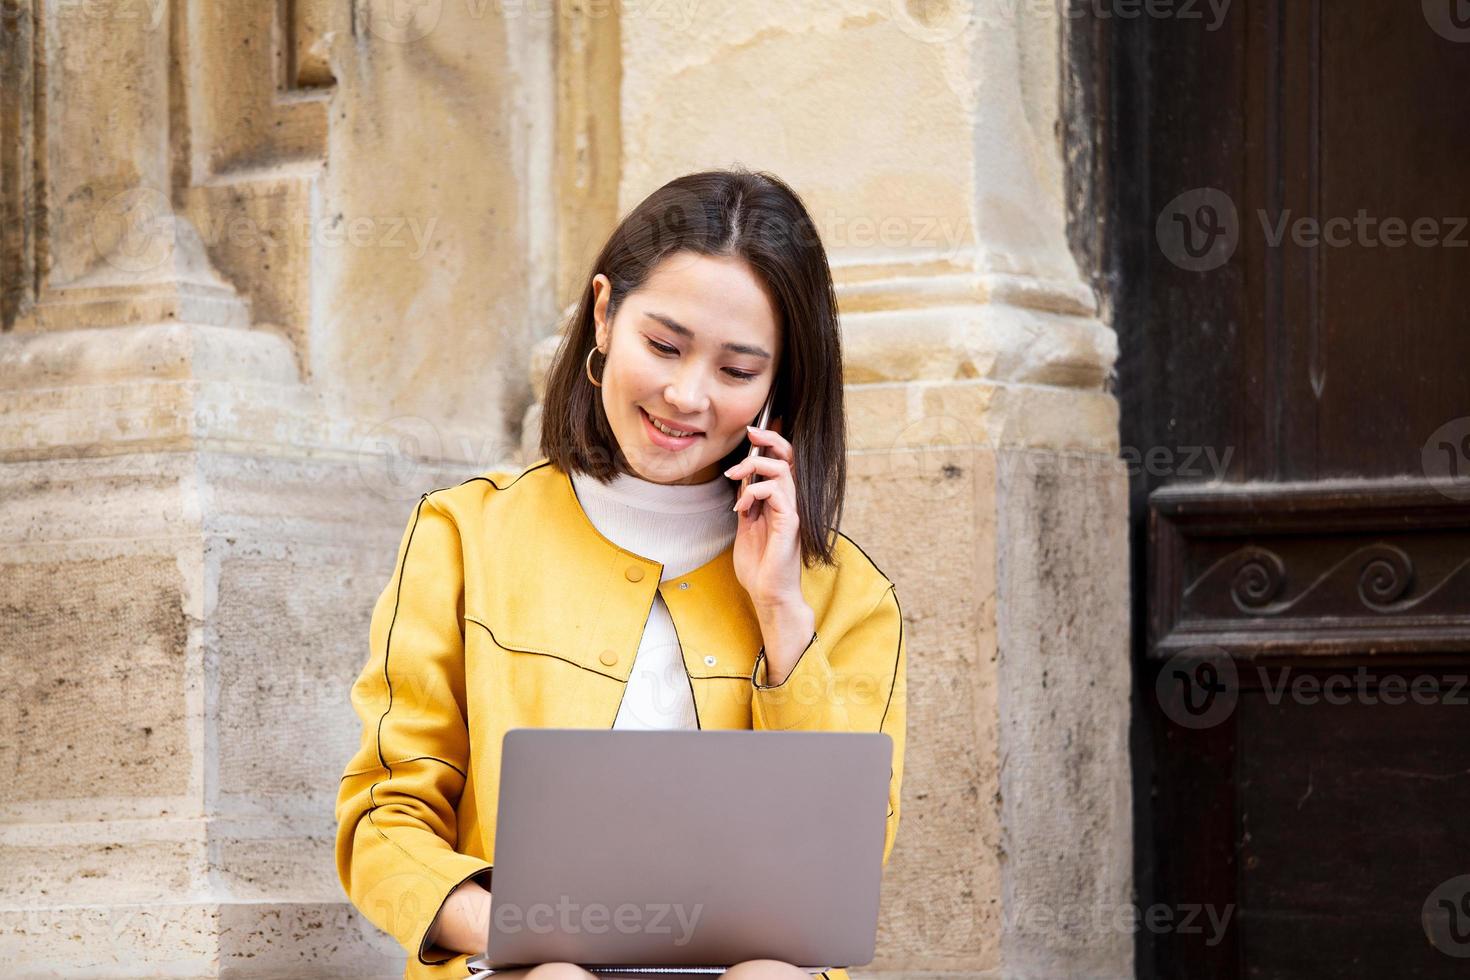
pixel 685 394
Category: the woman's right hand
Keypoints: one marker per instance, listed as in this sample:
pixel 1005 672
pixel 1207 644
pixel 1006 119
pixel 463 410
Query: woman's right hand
pixel 463 923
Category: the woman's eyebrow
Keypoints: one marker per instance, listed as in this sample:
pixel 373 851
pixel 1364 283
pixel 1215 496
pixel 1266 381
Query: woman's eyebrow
pixel 679 328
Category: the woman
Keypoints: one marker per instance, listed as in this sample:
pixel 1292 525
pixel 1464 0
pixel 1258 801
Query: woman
pixel 624 579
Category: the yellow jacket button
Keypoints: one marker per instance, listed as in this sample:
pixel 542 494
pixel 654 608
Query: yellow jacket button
pixel 634 573
pixel 608 657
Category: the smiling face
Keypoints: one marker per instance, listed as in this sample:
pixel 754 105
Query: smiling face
pixel 696 347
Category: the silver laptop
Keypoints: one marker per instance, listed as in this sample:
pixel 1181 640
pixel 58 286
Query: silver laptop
pixel 661 853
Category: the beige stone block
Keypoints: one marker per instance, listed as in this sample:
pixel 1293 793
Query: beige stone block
pixel 97 695
pixel 172 351
pixel 277 940
pixel 291 625
pixel 176 939
pixel 47 863
pixel 298 862
pixel 919 421
pixel 991 340
pixel 934 535
pixel 758 84
pixel 1064 693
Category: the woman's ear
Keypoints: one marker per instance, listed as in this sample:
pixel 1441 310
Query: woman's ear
pixel 602 294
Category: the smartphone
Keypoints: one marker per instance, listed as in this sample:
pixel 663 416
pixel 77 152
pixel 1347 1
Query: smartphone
pixel 761 422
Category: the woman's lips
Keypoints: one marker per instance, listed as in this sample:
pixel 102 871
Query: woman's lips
pixel 664 439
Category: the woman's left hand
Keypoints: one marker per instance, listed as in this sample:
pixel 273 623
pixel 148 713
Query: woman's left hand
pixel 768 547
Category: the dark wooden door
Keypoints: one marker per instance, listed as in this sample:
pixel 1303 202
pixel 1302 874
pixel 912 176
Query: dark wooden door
pixel 1284 244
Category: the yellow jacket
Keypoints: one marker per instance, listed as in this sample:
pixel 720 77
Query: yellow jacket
pixel 508 609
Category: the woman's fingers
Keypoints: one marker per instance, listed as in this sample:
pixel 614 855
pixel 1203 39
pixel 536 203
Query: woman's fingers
pixel 771 441
pixel 774 465
pixel 769 491
pixel 775 468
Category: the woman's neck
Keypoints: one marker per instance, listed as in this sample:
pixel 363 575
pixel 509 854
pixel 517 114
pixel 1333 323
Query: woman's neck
pixel 681 526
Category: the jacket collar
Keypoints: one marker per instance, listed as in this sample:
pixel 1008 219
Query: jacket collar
pixel 580 596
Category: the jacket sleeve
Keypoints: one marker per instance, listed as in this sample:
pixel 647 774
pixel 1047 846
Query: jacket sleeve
pixel 850 677
pixel 396 805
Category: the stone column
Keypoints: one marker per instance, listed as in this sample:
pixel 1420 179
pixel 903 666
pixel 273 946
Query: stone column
pixel 227 371
pixel 985 481
pixel 115 252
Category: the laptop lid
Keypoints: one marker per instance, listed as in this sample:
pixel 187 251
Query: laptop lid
pixel 688 848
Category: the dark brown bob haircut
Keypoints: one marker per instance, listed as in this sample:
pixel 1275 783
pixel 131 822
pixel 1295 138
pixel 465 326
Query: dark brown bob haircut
pixel 755 216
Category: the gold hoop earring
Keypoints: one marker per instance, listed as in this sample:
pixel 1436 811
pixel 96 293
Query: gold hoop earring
pixel 588 366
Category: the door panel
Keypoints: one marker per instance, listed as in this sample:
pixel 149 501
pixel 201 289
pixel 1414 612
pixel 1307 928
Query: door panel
pixel 1329 370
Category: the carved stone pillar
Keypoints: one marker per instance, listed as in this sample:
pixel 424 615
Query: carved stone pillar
pixel 204 466
pixel 114 252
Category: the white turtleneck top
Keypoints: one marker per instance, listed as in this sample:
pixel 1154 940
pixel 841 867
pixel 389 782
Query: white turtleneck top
pixel 683 527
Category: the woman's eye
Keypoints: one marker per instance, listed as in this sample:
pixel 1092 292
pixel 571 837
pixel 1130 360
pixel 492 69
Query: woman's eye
pixel 667 350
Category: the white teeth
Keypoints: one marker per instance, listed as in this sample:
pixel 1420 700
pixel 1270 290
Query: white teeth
pixel 665 429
